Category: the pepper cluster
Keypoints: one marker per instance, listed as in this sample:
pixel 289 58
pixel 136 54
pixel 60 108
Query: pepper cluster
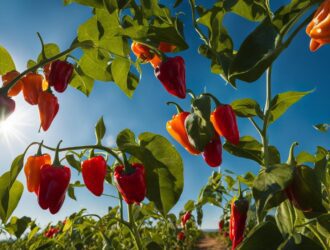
pixel 207 126
pixel 36 90
pixel 170 71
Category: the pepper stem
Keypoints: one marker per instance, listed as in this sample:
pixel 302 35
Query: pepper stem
pixel 39 152
pixel 56 161
pixel 291 160
pixel 191 93
pixel 216 101
pixel 178 108
pixel 240 196
pixel 91 153
pixel 128 168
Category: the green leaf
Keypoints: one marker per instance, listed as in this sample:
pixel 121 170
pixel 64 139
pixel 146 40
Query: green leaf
pixel 189 206
pixel 212 191
pixel 304 157
pixel 30 63
pixel 282 102
pixel 6 63
pixel 285 218
pixel 247 179
pixel 305 244
pixel 163 166
pixel 120 68
pixel 51 49
pixel 248 147
pixel 17 226
pixel 71 192
pixel 73 162
pixel 260 49
pixel 246 108
pixel 16 168
pixel 322 127
pixel 10 195
pixel 259 238
pixel 82 82
pixel 269 185
pixel 274 155
pixel 100 130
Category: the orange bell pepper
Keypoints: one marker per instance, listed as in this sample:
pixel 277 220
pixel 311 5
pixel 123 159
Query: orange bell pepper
pixel 32 170
pixel 177 130
pixel 142 52
pixel 32 87
pixel 319 28
pixel 7 78
pixel 166 47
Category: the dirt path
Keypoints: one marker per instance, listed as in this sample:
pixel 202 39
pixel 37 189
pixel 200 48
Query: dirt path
pixel 209 243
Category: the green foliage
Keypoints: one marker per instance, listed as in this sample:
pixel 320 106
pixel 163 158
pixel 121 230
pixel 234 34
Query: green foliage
pixel 6 63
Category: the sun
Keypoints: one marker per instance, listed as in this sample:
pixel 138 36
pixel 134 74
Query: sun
pixel 12 129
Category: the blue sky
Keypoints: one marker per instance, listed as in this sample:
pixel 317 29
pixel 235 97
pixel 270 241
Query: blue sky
pixel 297 69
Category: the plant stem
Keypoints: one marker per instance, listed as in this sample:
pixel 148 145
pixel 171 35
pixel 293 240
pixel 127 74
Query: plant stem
pixel 133 226
pixel 198 30
pixel 121 206
pixel 108 150
pixel 264 136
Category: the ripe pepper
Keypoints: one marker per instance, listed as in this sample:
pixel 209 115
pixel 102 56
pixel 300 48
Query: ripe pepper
pixel 185 218
pixel 7 107
pixel 181 236
pixel 60 75
pixel 132 184
pixel 172 74
pixel 7 78
pixel 51 232
pixel 142 52
pixel 32 169
pixel 48 108
pixel 319 28
pixel 239 209
pixel 212 154
pixel 94 171
pixel 32 87
pixel 221 225
pixel 176 128
pixel 54 182
pixel 166 47
pixel 224 121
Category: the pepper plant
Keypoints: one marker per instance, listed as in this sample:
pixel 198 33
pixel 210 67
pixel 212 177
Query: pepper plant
pixel 285 205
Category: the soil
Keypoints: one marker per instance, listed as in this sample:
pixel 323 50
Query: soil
pixel 210 243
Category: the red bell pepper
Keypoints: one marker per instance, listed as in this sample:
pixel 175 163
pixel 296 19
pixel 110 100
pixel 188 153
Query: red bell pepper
pixel 94 171
pixel 181 236
pixel 48 108
pixel 212 154
pixel 54 182
pixel 172 74
pixel 185 218
pixel 132 185
pixel 60 75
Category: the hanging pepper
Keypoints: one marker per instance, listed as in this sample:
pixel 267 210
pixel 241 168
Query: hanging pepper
pixel 7 78
pixel 46 70
pixel 304 191
pixel 221 225
pixel 166 47
pixel 212 154
pixel 142 52
pixel 185 218
pixel 7 107
pixel 181 236
pixel 132 184
pixel 32 87
pixel 319 28
pixel 224 121
pixel 32 169
pixel 54 182
pixel 48 108
pixel 172 74
pixel 239 209
pixel 177 129
pixel 94 171
pixel 60 75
